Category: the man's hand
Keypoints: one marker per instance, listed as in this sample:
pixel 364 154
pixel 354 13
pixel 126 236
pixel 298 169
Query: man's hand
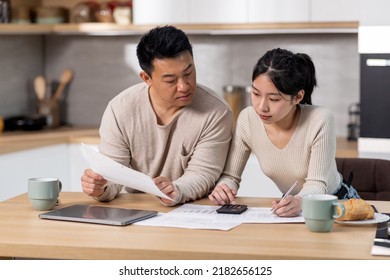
pixel 92 183
pixel 166 186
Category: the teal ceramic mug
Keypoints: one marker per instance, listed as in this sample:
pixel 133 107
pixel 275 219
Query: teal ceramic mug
pixel 43 192
pixel 320 211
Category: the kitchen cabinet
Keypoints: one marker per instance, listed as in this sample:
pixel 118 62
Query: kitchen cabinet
pixel 217 11
pixel 62 158
pixel 334 10
pixel 77 165
pixel 374 13
pixel 66 162
pixel 17 167
pixel 47 153
pixel 173 11
pixel 261 11
pixel 210 17
pixel 254 183
pixel 63 161
pixel 151 12
pixel 189 12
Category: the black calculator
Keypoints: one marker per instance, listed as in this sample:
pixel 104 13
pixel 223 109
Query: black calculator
pixel 232 209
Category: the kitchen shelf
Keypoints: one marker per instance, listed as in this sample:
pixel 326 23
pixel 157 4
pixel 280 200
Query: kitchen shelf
pixel 111 29
pixel 17 141
pixel 25 29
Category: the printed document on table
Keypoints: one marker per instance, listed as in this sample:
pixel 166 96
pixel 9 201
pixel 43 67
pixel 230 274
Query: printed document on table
pixel 195 216
pixel 178 220
pixel 254 215
pixel 120 174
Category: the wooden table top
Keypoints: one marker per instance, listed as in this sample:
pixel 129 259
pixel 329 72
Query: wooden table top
pixel 23 234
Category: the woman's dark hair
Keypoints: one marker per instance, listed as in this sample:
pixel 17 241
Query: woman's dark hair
pixel 289 72
pixel 161 42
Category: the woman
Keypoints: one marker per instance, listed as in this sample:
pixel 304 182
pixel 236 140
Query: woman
pixel 293 140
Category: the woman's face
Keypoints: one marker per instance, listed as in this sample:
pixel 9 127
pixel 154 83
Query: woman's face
pixel 272 106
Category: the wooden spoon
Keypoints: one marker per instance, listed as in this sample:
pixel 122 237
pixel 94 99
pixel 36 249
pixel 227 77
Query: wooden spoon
pixel 65 78
pixel 40 87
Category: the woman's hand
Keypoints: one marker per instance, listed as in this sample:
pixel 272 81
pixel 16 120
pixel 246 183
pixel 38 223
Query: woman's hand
pixel 222 195
pixel 291 206
pixel 92 183
pixel 165 185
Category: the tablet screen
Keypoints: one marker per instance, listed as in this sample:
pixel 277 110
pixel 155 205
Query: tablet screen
pixel 98 214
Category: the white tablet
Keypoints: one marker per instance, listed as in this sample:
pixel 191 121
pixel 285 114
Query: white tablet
pixel 98 214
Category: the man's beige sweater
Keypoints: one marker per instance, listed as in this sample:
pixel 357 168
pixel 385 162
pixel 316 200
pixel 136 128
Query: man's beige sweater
pixel 191 151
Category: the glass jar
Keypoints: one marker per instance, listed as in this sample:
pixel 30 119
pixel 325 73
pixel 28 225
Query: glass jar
pixel 84 12
pixel 104 13
pixel 234 97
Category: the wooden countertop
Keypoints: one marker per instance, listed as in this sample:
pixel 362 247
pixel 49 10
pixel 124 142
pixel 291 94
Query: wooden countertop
pixel 21 140
pixel 16 141
pixel 346 148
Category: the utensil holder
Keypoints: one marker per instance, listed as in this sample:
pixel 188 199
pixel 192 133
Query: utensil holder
pixel 51 109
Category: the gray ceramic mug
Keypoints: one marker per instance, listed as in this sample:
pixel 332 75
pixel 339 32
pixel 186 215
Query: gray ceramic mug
pixel 43 192
pixel 320 211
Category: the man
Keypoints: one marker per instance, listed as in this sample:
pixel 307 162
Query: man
pixel 167 127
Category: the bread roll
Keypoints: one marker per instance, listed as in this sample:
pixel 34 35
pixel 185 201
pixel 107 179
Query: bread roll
pixel 357 209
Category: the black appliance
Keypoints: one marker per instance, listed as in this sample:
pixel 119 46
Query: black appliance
pixel 375 95
pixel 28 122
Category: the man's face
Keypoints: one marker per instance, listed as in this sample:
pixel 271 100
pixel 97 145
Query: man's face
pixel 173 81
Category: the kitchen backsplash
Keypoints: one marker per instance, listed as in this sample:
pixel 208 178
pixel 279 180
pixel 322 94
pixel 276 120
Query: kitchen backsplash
pixel 104 66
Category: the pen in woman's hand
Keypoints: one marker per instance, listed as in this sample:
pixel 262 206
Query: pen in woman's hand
pixel 286 194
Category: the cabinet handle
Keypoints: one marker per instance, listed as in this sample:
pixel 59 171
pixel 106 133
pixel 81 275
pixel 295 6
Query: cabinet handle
pixel 378 62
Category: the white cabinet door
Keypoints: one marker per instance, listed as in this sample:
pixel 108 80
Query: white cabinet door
pixel 77 164
pixel 334 10
pixel 217 11
pixel 264 11
pixel 17 168
pixel 254 183
pixel 374 12
pixel 189 11
pixel 160 12
pixel 246 11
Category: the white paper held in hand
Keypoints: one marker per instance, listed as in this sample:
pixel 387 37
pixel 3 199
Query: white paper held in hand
pixel 119 174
